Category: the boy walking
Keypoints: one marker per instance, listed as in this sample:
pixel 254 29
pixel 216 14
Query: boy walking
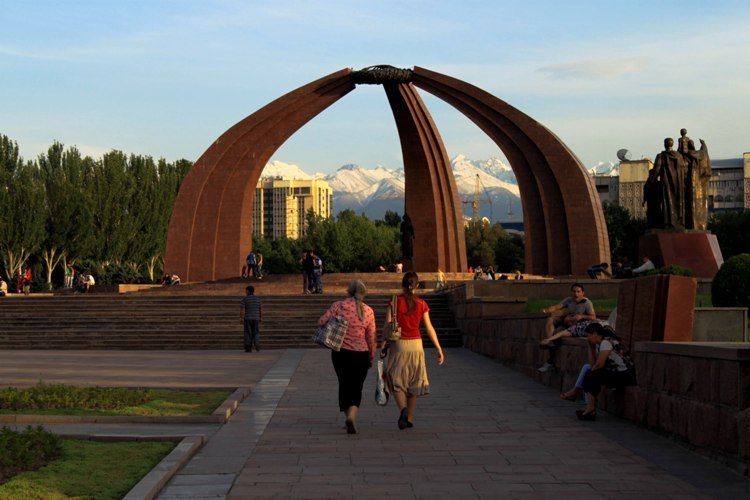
pixel 251 316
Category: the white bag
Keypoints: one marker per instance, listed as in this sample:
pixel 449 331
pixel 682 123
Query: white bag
pixel 381 393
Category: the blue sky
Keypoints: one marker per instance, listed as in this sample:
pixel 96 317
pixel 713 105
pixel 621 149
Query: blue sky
pixel 166 78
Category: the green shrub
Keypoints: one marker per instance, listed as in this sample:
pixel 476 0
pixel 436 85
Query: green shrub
pixel 731 285
pixel 43 396
pixel 27 450
pixel 673 270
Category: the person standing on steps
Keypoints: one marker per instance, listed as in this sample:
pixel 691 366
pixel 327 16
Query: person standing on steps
pixel 406 370
pixel 355 357
pixel 251 315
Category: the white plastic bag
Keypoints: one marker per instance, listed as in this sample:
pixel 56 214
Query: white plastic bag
pixel 381 393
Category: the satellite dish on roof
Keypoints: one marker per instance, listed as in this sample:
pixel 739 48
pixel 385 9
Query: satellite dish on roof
pixel 623 155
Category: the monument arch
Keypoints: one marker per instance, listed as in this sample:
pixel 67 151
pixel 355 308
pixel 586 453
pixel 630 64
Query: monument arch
pixel 210 230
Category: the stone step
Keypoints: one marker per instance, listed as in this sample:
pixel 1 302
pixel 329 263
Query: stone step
pixel 186 320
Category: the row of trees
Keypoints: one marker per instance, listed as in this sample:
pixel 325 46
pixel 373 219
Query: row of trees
pixel 109 215
pixel 354 243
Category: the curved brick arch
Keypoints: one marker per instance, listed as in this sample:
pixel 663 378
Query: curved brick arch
pixel 211 224
pixel 558 195
pixel 432 199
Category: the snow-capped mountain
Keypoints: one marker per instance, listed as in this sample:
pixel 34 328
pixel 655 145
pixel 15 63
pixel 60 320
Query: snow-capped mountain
pixel 278 168
pixel 373 191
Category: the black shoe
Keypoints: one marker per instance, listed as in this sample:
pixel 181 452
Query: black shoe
pixel 350 427
pixel 409 425
pixel 247 349
pixel 257 348
pixel 402 421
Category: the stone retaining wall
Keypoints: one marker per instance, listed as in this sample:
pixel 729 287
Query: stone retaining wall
pixel 697 392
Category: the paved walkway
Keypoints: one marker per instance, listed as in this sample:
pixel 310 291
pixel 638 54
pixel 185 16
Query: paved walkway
pixel 484 432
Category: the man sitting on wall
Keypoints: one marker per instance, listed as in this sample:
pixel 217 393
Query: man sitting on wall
pixel 576 308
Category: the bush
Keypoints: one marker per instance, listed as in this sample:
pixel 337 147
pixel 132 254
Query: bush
pixel 27 450
pixel 731 285
pixel 63 396
pixel 117 273
pixel 673 270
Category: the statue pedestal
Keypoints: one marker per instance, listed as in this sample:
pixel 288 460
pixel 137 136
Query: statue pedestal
pixel 696 250
pixel 656 308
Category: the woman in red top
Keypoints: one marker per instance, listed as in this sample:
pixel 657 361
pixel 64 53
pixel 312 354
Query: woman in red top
pixel 407 374
pixel 355 357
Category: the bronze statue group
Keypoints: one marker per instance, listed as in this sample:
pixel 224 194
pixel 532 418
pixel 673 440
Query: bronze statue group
pixel 676 192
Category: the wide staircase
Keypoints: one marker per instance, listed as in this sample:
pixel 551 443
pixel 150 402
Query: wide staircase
pixel 173 319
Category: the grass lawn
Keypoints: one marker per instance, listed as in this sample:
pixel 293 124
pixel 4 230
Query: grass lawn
pixel 161 402
pixel 89 470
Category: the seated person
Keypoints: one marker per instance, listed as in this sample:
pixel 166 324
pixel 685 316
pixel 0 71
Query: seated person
pixel 577 308
pixel 478 273
pixel 574 393
pixel 599 271
pixel 646 266
pixel 166 279
pixel 610 367
pixel 87 282
pixel 174 279
pixel 3 287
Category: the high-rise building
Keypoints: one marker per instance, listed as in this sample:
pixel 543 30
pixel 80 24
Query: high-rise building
pixel 281 204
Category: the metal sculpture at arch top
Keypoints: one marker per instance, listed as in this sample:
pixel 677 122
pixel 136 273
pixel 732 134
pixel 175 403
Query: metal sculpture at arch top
pixel 210 230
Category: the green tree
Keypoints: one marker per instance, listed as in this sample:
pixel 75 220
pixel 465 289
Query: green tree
pixel 732 229
pixel 392 219
pixel 509 253
pixel 481 241
pixel 67 211
pixel 624 231
pixel 23 229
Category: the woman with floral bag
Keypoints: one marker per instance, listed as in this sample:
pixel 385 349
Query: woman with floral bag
pixel 357 351
pixel 406 370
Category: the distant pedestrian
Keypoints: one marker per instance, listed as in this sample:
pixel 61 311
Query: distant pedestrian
pixel 251 315
pixel 258 265
pixel 250 264
pixel 317 274
pixel 70 274
pixel 26 281
pixel 439 280
pixel 355 357
pixel 308 265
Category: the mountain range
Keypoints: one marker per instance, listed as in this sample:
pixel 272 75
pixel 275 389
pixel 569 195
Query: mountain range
pixel 373 191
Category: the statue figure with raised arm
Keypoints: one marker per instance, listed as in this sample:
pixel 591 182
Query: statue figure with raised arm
pixel 697 175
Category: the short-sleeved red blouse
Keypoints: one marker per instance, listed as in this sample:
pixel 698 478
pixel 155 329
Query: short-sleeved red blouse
pixel 410 321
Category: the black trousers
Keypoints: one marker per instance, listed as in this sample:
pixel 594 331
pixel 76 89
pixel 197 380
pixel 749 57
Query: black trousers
pixel 595 379
pixel 351 369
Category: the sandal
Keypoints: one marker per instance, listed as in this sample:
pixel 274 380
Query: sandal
pixel 402 419
pixel 583 415
pixel 569 396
